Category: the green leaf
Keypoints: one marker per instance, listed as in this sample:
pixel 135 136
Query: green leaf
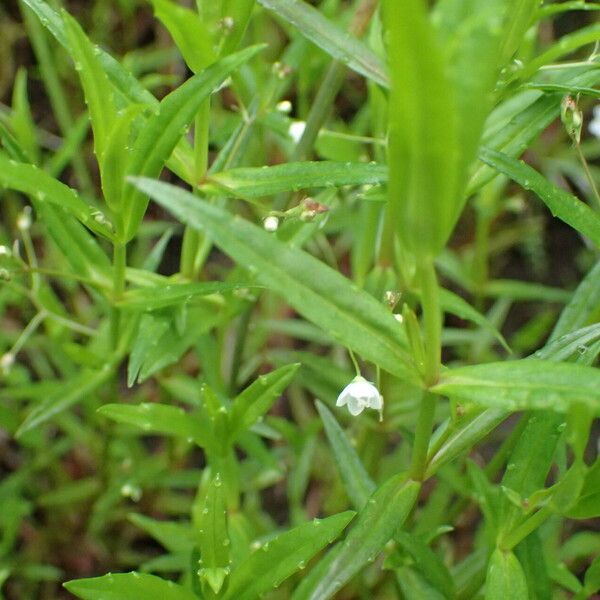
pixel 479 28
pixel 155 418
pixel 414 586
pixel 30 180
pixel 70 392
pixel 174 536
pixel 189 32
pixel 455 305
pixel 156 297
pixel 337 43
pixel 584 305
pixel 549 10
pixel 316 291
pixel 566 45
pixel 515 123
pixel 505 578
pixel 76 243
pixel 523 385
pixel 251 183
pixel 576 342
pixel 428 563
pixel 128 586
pixel 376 524
pixel 99 93
pixel 282 556
pixel 122 79
pixel 213 538
pixel 423 130
pixel 465 437
pixel 164 129
pixel 359 486
pixel 588 504
pixel 256 400
pixel 592 577
pixel 563 205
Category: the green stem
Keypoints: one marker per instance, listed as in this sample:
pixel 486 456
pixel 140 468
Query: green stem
pixel 590 179
pixel 119 267
pixel 326 95
pixel 519 533
pixel 432 319
pixel 422 436
pixel 193 239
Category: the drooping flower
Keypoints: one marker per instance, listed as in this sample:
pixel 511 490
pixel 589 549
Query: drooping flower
pixel 360 394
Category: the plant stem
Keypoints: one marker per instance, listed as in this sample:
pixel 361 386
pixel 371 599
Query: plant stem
pixel 326 94
pixel 193 239
pixel 422 436
pixel 520 532
pixel 119 267
pixel 589 177
pixel 432 319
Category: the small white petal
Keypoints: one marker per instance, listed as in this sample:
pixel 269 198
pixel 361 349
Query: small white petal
pixel 355 406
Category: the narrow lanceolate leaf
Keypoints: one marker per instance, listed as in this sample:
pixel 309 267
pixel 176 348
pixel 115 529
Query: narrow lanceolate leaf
pixel 337 43
pixel 122 79
pixel 70 392
pixel 157 418
pixel 465 437
pixel 455 305
pixel 505 578
pixel 524 384
pixel 376 524
pixel 289 552
pixel 213 538
pixel 157 297
pixel 359 486
pixel 424 130
pixel 163 131
pixel 317 292
pixel 254 183
pixel 99 93
pixel 30 180
pixel 563 205
pixel 189 31
pixel 256 400
pixel 128 586
pixel 583 306
pixel 76 243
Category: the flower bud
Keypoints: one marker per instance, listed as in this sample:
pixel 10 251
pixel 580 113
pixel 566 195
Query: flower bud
pixel 571 117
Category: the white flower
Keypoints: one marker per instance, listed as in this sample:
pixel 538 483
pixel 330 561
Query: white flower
pixel 271 223
pixel 296 130
pixel 594 126
pixel 360 394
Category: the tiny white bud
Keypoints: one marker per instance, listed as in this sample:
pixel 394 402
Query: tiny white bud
pixel 7 360
pixel 285 107
pixel 399 318
pixel 24 219
pixel 5 251
pixel 296 130
pixel 227 24
pixel 271 223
